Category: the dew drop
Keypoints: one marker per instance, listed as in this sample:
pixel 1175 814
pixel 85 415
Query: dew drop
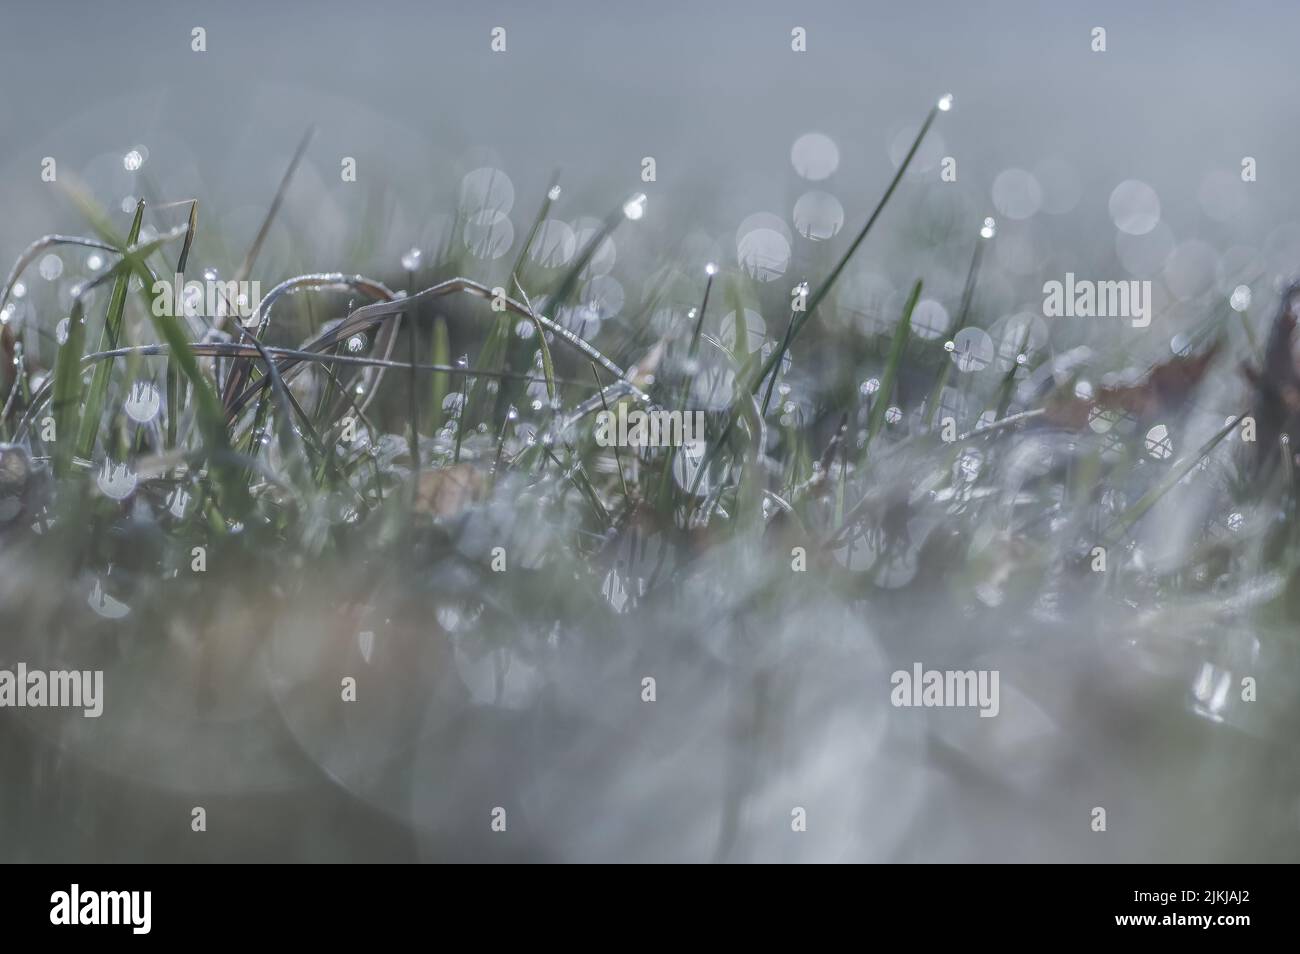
pixel 51 267
pixel 1240 299
pixel 634 208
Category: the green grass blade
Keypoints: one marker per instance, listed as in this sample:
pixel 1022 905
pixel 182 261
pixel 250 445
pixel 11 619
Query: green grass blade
pixel 963 314
pixel 1176 473
pixel 239 368
pixel 108 340
pixel 67 389
pixel 211 418
pixel 890 375
pixel 798 320
pixel 174 390
pixel 440 381
pixel 551 190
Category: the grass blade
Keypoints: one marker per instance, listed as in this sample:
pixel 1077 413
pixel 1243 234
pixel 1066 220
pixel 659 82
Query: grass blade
pixel 1176 473
pixel 67 389
pixel 239 370
pixel 174 390
pixel 440 380
pixel 963 313
pixel 887 379
pixel 108 339
pixel 799 319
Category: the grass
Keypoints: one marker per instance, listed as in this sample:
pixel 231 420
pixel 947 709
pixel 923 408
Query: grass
pixel 399 529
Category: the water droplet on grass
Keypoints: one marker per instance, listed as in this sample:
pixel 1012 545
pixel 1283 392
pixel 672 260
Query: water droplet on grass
pixel 634 208
pixel 51 267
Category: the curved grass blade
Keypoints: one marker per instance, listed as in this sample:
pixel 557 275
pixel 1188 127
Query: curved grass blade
pixel 41 244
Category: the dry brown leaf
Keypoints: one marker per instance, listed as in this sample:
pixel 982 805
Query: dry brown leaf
pixel 449 491
pixel 1166 388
